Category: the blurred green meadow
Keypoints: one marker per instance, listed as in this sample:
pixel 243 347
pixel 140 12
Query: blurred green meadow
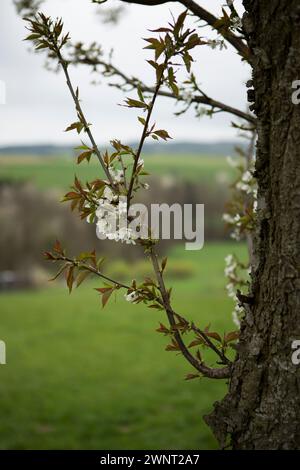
pixel 58 172
pixel 82 377
pixel 79 376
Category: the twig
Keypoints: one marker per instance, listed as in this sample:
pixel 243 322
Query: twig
pixel 96 150
pixel 144 135
pixel 210 19
pixel 90 268
pixel 215 373
pixel 135 82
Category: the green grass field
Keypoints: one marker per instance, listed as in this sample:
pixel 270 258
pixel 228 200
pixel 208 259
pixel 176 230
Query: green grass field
pixel 56 172
pixel 78 376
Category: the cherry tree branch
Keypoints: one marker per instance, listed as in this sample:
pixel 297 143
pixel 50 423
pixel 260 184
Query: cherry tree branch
pixel 213 373
pixel 47 34
pixel 87 267
pixel 209 18
pixel 74 94
pixel 144 135
pixel 135 83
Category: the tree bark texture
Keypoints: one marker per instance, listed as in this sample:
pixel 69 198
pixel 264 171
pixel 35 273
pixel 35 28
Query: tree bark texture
pixel 262 407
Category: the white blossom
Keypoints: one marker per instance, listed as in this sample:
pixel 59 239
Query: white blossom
pixel 235 235
pixel 132 297
pixel 109 194
pixel 228 218
pixel 229 260
pixel 236 22
pixel 187 96
pixel 244 187
pixel 231 290
pixel 236 315
pixel 232 162
pixel 237 220
pixel 112 219
pixel 117 175
pixel 127 235
pixel 247 176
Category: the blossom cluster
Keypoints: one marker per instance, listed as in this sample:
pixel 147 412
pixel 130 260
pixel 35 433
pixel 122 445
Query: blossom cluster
pixel 132 297
pixel 111 211
pixel 244 199
pixel 232 271
pixel 111 217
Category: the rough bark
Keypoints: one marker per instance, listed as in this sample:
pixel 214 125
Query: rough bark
pixel 262 407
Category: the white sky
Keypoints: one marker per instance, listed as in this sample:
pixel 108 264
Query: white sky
pixel 38 107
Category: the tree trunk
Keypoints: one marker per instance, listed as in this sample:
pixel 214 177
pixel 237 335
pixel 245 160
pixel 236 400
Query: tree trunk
pixel 262 407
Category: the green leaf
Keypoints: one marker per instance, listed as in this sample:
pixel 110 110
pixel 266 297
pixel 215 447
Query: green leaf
pixel 179 23
pixel 140 94
pixel 84 156
pixel 163 329
pixel 60 271
pixel 106 296
pixel 81 277
pixel 187 59
pixel 163 264
pixel 75 125
pixel 70 278
pixel 32 37
pixel 162 134
pixel 135 103
pixel 105 292
pixel 232 336
pixel 214 335
pixel 57 247
pixel 142 120
pixel 192 376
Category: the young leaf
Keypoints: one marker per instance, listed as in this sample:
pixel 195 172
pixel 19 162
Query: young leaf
pixel 75 125
pixel 162 134
pixel 130 103
pixel 192 376
pixel 57 247
pixel 81 277
pixel 105 292
pixel 70 278
pixel 232 336
pixel 84 156
pixel 163 264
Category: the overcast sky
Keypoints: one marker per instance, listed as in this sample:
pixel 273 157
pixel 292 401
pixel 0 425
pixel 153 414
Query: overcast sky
pixel 38 107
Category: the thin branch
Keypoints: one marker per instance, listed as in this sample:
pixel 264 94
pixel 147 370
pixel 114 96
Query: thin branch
pixel 209 18
pixel 217 373
pixel 87 129
pixel 214 373
pixel 144 135
pixel 135 82
pixel 90 268
pixel 210 344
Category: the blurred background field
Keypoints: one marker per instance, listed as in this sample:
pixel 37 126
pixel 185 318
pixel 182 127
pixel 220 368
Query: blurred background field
pixel 78 376
pixel 58 172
